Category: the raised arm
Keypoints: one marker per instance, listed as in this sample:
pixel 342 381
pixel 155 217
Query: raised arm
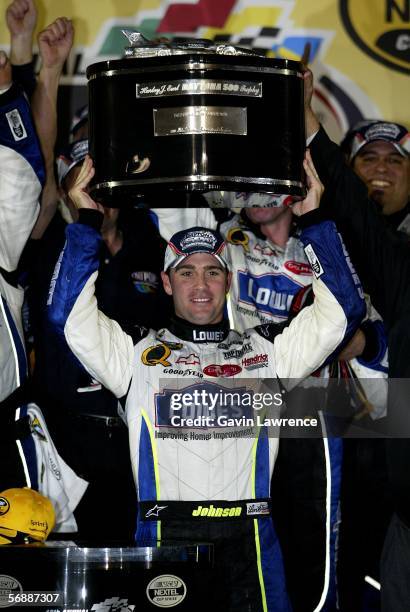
pixel 380 257
pixel 55 44
pixel 98 342
pixel 21 170
pixel 21 20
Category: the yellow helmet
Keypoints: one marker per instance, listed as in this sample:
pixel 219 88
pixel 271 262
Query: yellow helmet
pixel 25 516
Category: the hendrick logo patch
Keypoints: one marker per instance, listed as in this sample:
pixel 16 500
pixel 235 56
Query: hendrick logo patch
pixel 381 29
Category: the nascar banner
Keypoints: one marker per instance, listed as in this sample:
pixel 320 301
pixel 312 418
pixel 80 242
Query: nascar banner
pixel 360 50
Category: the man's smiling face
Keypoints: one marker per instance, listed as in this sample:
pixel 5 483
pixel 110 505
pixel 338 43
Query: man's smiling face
pixel 386 174
pixel 198 286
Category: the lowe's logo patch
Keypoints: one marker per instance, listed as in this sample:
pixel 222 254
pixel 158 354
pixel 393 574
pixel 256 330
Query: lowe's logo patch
pixel 268 293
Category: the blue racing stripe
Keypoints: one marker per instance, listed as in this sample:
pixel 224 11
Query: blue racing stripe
pixel 336 457
pixel 18 344
pixel 271 556
pixel 324 246
pixel 376 363
pixel 273 570
pixel 147 490
pixel 77 261
pixel 262 476
pixel 29 451
pixel 154 218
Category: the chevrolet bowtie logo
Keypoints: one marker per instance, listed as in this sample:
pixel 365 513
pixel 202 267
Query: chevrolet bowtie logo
pixel 155 511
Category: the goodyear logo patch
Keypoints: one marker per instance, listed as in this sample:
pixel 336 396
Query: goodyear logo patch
pixel 381 29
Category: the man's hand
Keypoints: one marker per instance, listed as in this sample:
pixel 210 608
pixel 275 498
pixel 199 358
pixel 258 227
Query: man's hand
pixel 55 43
pixel 312 200
pixel 354 348
pixel 5 71
pixel 79 192
pixel 21 19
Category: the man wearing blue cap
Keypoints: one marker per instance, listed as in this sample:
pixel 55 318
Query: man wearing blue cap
pixel 383 261
pixel 192 481
pixel 379 153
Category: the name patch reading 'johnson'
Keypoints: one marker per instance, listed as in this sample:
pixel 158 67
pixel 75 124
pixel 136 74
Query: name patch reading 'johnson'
pixel 200 120
pixel 199 86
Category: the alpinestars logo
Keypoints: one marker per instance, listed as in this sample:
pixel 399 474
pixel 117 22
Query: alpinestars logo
pixel 155 511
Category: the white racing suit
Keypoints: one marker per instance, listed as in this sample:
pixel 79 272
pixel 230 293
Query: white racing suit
pixel 211 489
pixel 21 177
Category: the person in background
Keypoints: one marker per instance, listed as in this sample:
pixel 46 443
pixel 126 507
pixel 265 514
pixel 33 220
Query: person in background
pixel 29 457
pixel 382 259
pixel 83 416
pixel 21 178
pixel 379 153
pixel 79 125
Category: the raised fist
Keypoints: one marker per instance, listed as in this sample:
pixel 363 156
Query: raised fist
pixel 21 18
pixel 55 43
